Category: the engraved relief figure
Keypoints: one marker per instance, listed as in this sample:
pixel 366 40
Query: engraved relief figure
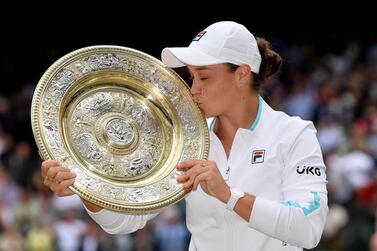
pixel 99 104
pixel 80 67
pixel 120 131
pixel 103 61
pixel 139 113
pixel 128 104
pixel 136 195
pixel 62 82
pixel 149 72
pixel 140 164
pixel 145 194
pixel 51 134
pixel 149 125
pixel 109 169
pixel 90 182
pixel 88 148
pixel 81 123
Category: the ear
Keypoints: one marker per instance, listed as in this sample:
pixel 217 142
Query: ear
pixel 243 75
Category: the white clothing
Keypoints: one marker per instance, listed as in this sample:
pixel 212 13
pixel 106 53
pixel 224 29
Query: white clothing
pixel 279 161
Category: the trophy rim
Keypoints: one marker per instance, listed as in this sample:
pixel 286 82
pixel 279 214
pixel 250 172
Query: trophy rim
pixel 45 154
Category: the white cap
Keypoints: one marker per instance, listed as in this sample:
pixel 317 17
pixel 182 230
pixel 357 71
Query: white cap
pixel 221 42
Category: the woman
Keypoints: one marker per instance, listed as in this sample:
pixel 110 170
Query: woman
pixel 264 185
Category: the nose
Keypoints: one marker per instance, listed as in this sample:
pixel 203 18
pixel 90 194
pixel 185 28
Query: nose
pixel 195 87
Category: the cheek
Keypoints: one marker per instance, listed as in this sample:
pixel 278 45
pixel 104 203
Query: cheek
pixel 213 92
pixel 212 99
pixel 209 96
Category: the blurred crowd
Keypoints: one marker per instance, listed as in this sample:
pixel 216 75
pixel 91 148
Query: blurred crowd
pixel 337 90
pixel 335 87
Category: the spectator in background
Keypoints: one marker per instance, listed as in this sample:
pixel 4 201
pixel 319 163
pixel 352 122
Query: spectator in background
pixel 171 233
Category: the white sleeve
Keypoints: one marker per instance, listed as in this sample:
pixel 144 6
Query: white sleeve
pixel 120 223
pixel 299 220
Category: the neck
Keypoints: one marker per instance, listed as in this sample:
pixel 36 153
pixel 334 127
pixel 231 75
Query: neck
pixel 242 115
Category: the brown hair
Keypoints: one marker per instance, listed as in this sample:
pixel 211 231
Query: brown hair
pixel 271 62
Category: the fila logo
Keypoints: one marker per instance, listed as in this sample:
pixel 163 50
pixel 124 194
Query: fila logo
pixel 257 156
pixel 309 170
pixel 199 36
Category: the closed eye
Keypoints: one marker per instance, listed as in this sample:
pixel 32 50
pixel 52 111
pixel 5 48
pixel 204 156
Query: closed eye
pixel 192 78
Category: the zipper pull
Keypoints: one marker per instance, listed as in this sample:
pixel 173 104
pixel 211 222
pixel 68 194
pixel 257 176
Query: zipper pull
pixel 227 172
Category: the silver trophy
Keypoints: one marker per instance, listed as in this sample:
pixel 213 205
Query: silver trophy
pixel 121 121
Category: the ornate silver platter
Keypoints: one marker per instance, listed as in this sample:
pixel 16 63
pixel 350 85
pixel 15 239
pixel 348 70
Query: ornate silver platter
pixel 120 120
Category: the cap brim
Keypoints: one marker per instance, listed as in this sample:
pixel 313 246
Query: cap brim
pixel 182 56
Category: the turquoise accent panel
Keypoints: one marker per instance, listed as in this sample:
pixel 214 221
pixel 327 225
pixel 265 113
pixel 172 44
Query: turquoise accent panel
pixel 310 208
pixel 259 113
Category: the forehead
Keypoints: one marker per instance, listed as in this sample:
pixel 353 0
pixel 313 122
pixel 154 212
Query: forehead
pixel 208 68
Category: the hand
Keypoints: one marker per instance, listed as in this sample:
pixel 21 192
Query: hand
pixel 57 177
pixel 207 175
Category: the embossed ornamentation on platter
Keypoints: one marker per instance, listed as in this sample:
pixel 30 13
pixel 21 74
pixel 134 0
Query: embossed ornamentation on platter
pixel 121 121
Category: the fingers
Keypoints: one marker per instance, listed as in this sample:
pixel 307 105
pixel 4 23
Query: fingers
pixel 62 188
pixel 201 177
pixel 57 174
pixel 191 175
pixel 203 173
pixel 64 175
pixel 186 165
pixel 47 164
pixel 57 177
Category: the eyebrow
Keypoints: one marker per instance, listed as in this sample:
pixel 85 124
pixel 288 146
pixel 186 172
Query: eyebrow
pixel 201 68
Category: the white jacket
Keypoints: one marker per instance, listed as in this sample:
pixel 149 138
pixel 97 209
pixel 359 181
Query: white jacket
pixel 279 160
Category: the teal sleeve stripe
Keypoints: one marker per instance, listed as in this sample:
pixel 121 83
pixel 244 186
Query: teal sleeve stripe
pixel 259 113
pixel 310 208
